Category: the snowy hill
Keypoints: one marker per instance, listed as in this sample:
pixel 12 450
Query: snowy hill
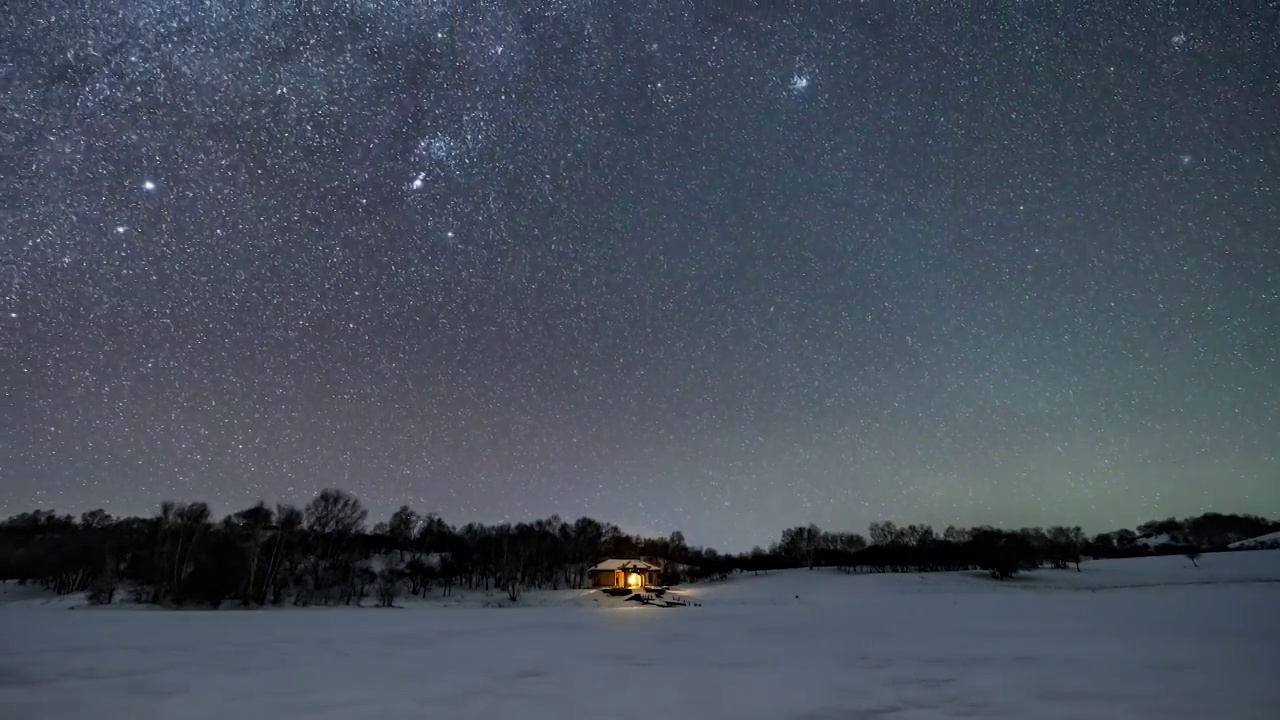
pixel 1270 540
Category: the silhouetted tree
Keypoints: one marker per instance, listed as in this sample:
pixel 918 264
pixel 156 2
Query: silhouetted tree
pixel 885 534
pixel 333 519
pixel 251 527
pixel 285 557
pixel 102 591
pixel 800 544
pixel 388 585
pixel 180 556
pixel 402 529
pixel 1002 553
pixel 1063 546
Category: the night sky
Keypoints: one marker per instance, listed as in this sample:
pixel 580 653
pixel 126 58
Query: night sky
pixel 712 265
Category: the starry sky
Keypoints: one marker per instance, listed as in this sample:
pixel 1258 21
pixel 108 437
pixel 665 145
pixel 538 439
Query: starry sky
pixel 714 265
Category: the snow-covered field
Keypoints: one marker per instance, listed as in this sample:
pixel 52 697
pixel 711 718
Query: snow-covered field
pixel 1148 638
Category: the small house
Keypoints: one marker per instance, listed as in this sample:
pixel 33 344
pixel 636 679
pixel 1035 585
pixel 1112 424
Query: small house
pixel 623 574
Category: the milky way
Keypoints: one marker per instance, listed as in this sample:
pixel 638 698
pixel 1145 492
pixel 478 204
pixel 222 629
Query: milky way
pixel 704 265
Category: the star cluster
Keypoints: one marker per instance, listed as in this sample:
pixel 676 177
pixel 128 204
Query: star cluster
pixel 711 265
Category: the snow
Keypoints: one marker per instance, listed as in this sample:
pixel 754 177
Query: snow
pixel 1262 540
pixel 1156 540
pixel 12 592
pixel 1150 637
pixel 623 564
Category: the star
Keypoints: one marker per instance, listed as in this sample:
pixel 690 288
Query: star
pixel 503 258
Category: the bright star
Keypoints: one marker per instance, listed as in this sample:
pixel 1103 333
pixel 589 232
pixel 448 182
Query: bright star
pixel 120 229
pixel 148 186
pixel 799 82
pixel 417 182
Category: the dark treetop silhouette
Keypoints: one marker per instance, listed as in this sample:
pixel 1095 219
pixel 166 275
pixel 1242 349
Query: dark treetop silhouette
pixel 325 553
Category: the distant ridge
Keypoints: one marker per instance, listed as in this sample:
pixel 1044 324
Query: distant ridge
pixel 1270 540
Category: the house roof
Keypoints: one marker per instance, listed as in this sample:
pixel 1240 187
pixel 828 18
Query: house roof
pixel 617 564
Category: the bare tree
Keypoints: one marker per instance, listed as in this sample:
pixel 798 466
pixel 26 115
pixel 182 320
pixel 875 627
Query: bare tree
pixel 251 526
pixel 387 587
pixel 885 533
pixel 332 519
pixel 1063 545
pixel 1193 556
pixel 402 529
pixel 103 589
pixel 288 527
pixel 512 563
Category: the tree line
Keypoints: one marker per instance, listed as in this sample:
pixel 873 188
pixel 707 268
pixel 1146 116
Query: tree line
pixel 1000 552
pixel 326 552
